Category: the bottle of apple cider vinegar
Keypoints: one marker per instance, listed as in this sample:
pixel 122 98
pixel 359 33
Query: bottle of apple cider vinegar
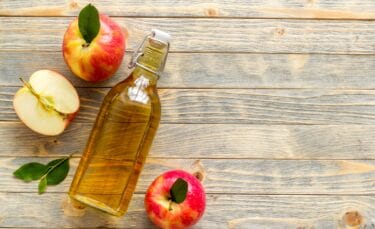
pixel 123 132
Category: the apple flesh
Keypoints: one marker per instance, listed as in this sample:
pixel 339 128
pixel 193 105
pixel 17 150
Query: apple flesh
pixel 99 59
pixel 47 103
pixel 165 213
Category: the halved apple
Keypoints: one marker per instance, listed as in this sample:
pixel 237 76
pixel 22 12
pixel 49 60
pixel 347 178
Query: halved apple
pixel 47 103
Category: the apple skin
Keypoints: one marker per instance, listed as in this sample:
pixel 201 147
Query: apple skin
pixel 182 215
pixel 102 57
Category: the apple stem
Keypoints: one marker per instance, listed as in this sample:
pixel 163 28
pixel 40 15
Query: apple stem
pixel 170 205
pixel 41 99
pixel 29 87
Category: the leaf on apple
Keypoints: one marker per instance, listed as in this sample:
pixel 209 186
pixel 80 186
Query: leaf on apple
pixel 89 23
pixel 179 190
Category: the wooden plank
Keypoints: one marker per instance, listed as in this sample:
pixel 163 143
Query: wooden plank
pixel 204 35
pixel 240 176
pixel 210 141
pixel 235 211
pixel 238 106
pixel 195 8
pixel 199 70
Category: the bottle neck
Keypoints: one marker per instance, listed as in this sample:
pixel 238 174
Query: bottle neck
pixel 151 62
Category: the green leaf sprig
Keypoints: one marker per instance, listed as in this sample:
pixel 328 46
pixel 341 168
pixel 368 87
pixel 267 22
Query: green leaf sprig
pixel 51 174
pixel 89 23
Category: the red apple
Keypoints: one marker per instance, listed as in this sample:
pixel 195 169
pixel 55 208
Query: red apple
pixel 93 55
pixel 47 103
pixel 168 207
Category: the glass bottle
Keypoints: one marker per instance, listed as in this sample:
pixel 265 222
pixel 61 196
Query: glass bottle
pixel 123 132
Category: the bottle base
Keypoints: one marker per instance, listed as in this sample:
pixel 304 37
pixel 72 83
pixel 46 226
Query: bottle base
pixel 96 204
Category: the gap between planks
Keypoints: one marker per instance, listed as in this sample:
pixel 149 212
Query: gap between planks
pixel 78 156
pixel 201 17
pixel 217 88
pixel 214 193
pixel 131 51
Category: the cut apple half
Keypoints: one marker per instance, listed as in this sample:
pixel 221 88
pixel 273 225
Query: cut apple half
pixel 47 103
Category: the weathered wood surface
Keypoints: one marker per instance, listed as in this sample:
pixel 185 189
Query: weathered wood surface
pixel 204 35
pixel 238 106
pixel 238 176
pixel 235 211
pixel 217 70
pixel 329 9
pixel 276 106
pixel 210 141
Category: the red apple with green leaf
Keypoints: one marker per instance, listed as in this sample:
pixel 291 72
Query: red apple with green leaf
pixel 176 199
pixel 93 45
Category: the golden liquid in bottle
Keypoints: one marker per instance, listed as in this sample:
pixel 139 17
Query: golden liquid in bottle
pixel 120 141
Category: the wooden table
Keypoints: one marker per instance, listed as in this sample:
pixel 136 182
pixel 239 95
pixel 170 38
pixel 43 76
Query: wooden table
pixel 273 99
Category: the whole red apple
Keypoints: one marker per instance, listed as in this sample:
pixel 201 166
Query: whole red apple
pixel 93 45
pixel 176 199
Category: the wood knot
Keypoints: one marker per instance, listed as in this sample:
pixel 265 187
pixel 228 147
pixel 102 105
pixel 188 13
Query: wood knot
pixel 214 197
pixel 199 171
pixel 352 218
pixel 73 208
pixel 198 175
pixel 310 2
pixel 279 32
pixel 211 12
pixel 125 31
pixel 73 5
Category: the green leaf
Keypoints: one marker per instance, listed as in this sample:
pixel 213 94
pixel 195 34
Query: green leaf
pixel 51 174
pixel 30 171
pixel 89 23
pixel 179 190
pixel 42 185
pixel 58 170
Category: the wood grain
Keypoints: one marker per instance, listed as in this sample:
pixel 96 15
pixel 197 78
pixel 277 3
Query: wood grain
pixel 210 141
pixel 199 70
pixel 350 9
pixel 235 211
pixel 204 35
pixel 250 106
